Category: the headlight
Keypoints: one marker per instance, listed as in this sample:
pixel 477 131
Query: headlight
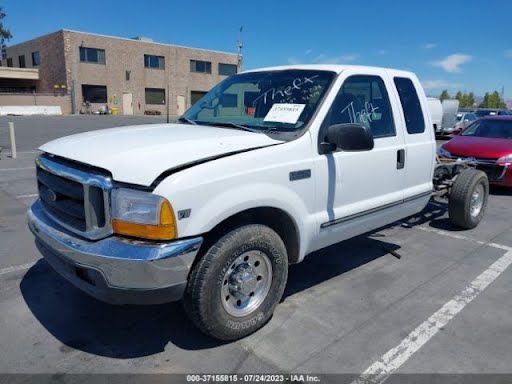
pixel 142 214
pixel 505 160
pixel 443 152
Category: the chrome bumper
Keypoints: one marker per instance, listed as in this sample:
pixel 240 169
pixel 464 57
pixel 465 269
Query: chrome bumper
pixel 115 269
pixel 448 130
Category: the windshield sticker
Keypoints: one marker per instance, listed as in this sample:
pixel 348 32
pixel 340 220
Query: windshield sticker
pixel 285 113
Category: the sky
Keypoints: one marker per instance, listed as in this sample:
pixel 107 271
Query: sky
pixel 450 44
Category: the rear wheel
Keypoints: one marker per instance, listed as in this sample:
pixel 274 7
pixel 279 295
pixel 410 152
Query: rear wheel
pixel 468 198
pixel 236 285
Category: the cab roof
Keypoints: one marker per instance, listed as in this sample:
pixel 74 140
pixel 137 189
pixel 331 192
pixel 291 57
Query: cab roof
pixel 338 68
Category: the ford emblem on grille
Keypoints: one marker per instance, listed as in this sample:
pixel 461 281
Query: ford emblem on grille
pixel 48 195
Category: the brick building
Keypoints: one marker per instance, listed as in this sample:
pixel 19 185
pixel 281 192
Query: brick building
pixel 132 75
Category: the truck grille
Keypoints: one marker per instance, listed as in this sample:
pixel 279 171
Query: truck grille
pixel 77 199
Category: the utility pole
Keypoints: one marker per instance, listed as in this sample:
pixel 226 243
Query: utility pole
pixel 239 46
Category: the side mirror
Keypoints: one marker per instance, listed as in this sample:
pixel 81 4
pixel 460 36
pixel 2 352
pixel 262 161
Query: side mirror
pixel 350 137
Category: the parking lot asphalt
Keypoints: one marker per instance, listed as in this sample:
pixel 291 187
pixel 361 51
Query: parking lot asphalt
pixel 442 307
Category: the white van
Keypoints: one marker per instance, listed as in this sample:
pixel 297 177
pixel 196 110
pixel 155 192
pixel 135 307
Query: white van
pixel 450 110
pixel 436 113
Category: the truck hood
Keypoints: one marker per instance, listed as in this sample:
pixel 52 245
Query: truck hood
pixel 139 154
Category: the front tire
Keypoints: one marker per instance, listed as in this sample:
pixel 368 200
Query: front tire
pixel 468 198
pixel 236 285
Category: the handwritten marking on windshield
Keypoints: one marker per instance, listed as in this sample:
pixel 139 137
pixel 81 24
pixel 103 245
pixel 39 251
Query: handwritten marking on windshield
pixel 366 115
pixel 297 84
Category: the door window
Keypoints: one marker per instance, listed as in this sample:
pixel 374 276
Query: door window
pixel 364 100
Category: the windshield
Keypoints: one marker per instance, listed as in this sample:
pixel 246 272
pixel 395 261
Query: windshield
pixel 484 112
pixel 497 129
pixel 260 101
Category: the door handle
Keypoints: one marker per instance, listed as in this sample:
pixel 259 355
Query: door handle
pixel 400 159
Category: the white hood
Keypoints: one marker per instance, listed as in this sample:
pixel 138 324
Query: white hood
pixel 139 154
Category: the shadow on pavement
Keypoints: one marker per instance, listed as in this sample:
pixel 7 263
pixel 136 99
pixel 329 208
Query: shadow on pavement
pixel 500 191
pixel 83 323
pixel 335 260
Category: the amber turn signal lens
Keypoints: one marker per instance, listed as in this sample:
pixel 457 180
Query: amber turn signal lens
pixel 145 231
pixel 166 230
pixel 167 214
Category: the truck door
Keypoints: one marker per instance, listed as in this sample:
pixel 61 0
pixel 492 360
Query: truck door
pixel 420 144
pixel 363 187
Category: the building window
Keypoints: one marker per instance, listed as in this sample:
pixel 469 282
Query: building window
pixel 200 66
pixel 36 59
pixel 229 100
pixel 157 62
pixel 195 96
pixel 21 60
pixel 227 69
pixel 127 75
pixel 9 62
pixel 94 93
pixel 92 55
pixel 155 96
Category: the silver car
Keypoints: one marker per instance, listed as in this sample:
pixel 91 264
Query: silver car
pixel 463 119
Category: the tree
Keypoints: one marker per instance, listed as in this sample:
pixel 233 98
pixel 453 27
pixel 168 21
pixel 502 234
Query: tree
pixel 5 34
pixel 470 101
pixel 466 100
pixel 444 95
pixel 492 100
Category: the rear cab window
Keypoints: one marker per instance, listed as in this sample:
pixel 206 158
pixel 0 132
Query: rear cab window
pixel 414 119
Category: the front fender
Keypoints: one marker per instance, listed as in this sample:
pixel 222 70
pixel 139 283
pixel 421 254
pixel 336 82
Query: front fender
pixel 219 207
pixel 212 192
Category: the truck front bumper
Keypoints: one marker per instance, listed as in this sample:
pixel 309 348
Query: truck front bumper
pixel 115 269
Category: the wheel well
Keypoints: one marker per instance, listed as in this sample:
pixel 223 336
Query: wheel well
pixel 274 218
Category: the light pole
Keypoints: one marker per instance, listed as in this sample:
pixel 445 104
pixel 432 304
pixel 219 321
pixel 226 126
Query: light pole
pixel 239 46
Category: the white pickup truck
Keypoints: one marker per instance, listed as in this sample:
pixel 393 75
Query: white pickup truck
pixel 268 167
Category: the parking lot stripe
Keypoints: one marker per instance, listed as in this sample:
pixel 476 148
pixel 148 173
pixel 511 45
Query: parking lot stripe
pixel 31 195
pixel 453 235
pixel 379 371
pixel 16 169
pixel 15 268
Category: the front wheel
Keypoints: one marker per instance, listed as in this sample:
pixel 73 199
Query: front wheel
pixel 236 285
pixel 468 198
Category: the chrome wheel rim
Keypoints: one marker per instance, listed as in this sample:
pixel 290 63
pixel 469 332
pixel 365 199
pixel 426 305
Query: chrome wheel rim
pixel 477 200
pixel 246 283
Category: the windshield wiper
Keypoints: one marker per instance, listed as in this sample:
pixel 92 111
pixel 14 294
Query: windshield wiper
pixel 186 120
pixel 229 124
